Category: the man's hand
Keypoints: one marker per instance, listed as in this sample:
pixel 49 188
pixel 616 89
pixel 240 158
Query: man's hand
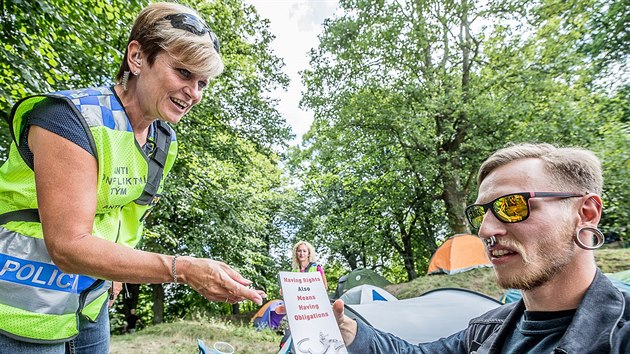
pixel 347 326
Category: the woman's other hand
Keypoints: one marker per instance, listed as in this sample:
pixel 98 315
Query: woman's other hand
pixel 114 291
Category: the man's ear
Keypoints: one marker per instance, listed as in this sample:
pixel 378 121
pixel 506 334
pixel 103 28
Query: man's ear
pixel 591 210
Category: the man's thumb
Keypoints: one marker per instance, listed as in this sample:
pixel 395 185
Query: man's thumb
pixel 338 310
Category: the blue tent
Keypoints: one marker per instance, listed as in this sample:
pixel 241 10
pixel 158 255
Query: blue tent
pixel 510 295
pixel 366 293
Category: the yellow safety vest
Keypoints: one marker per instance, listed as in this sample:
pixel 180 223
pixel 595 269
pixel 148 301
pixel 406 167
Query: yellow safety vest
pixel 38 302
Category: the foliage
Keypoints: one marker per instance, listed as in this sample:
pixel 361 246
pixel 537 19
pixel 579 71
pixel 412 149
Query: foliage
pixel 612 147
pixel 367 163
pixel 56 44
pixel 606 33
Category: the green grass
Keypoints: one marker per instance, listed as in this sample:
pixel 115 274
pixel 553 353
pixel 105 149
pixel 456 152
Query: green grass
pixel 181 337
pixel 480 280
pixel 610 260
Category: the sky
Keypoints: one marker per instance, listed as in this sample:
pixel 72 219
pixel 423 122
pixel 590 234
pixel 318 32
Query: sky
pixel 296 25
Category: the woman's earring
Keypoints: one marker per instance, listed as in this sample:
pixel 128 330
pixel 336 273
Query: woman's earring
pixel 596 232
pixel 124 80
pixel 136 72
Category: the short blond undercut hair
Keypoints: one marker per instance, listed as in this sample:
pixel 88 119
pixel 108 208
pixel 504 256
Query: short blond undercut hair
pixel 568 166
pixel 156 34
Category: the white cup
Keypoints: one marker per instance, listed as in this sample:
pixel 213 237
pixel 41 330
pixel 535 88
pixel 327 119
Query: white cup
pixel 223 348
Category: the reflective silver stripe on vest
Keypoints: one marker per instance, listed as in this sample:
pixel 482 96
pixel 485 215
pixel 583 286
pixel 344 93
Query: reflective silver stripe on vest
pixel 30 281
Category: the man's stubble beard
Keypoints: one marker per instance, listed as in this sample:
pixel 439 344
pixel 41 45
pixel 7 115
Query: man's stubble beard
pixel 550 257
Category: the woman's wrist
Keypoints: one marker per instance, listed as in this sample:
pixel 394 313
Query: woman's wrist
pixel 174 270
pixel 179 266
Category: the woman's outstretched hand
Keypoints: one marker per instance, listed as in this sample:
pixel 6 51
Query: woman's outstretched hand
pixel 217 281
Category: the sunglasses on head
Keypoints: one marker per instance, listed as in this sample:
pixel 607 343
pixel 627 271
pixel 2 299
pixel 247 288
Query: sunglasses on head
pixel 194 25
pixel 509 208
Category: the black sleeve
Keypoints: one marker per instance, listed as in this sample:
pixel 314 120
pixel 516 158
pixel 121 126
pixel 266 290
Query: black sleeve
pixel 54 115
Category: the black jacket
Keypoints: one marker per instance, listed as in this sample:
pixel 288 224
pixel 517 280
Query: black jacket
pixel 601 325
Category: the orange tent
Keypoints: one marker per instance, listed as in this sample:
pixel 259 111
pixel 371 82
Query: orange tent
pixel 459 253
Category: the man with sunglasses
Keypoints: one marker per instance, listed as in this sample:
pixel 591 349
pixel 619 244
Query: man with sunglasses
pixel 537 211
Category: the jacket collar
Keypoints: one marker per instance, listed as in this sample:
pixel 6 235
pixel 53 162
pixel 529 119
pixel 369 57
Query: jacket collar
pixel 595 318
pixel 498 338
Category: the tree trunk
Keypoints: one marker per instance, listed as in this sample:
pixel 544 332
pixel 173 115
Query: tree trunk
pixel 350 257
pixel 410 267
pixel 407 252
pixel 131 293
pixel 158 303
pixel 454 194
pixel 236 309
pixel 457 200
pixel 455 203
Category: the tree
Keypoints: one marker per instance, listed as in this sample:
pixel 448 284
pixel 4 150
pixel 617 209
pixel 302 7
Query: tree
pixel 406 95
pixel 54 45
pixel 416 94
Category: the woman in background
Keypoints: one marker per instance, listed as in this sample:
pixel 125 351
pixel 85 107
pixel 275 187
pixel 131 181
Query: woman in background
pixel 304 259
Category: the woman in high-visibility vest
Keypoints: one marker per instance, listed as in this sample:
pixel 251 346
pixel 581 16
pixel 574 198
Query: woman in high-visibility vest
pixel 85 167
pixel 304 259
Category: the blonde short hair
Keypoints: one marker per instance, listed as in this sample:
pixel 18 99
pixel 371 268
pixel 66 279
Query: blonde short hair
pixel 572 169
pixel 156 34
pixel 312 257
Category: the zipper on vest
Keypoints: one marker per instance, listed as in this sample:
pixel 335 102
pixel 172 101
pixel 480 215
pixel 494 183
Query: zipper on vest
pixel 118 232
pixel 154 200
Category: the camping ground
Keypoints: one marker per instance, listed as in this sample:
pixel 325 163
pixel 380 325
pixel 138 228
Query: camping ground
pixel 180 337
pixel 482 280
